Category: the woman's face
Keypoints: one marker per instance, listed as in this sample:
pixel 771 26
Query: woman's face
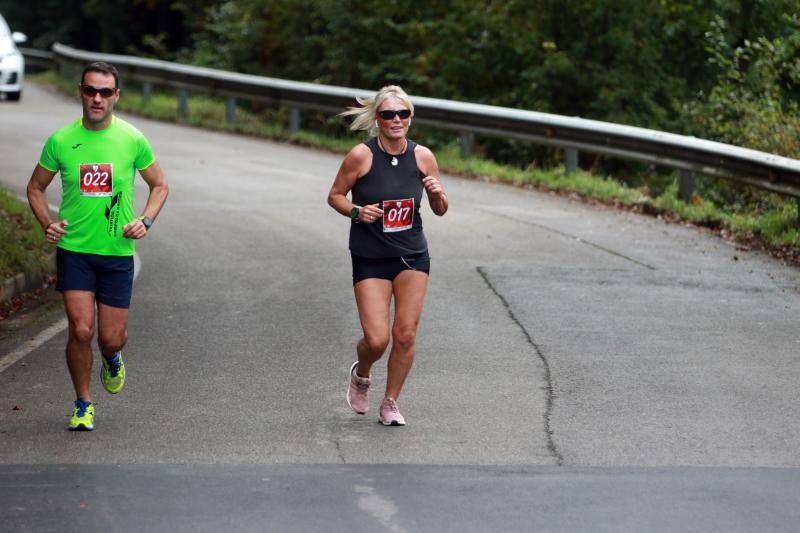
pixel 394 127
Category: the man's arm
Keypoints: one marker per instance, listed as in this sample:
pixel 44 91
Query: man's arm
pixel 37 198
pixel 155 179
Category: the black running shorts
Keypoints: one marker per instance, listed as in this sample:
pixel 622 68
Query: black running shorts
pixel 388 267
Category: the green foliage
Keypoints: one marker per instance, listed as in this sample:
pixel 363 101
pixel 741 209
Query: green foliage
pixel 24 247
pixel 753 102
pixel 143 27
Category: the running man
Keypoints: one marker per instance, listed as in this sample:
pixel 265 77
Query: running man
pixel 386 176
pixel 97 156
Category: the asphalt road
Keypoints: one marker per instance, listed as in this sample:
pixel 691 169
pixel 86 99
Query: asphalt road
pixel 578 368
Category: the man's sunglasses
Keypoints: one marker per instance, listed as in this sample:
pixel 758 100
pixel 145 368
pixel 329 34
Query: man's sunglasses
pixel 388 114
pixel 91 92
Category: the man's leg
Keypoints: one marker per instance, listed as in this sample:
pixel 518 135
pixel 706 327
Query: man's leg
pixel 80 307
pixel 111 337
pixel 112 329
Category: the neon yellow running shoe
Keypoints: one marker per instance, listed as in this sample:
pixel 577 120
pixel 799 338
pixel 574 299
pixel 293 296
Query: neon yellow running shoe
pixel 82 416
pixel 113 376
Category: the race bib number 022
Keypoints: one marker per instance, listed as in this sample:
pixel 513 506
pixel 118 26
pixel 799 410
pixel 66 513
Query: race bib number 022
pixel 96 179
pixel 398 215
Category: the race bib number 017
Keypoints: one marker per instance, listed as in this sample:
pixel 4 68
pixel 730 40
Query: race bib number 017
pixel 96 180
pixel 398 215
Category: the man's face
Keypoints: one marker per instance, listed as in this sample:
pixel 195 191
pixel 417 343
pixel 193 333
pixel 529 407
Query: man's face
pixel 97 108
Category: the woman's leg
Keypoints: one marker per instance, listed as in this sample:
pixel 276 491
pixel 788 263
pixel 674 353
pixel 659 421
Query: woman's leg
pixel 373 297
pixel 409 297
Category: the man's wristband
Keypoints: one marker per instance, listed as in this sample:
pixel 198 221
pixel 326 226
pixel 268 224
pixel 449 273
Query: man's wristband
pixel 47 227
pixel 147 221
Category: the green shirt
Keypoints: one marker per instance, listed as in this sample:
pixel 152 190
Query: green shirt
pixel 97 173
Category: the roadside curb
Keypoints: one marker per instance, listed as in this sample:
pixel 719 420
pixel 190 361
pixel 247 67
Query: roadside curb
pixel 23 282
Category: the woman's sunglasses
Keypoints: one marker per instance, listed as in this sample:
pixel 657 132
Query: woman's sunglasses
pixel 105 92
pixel 388 114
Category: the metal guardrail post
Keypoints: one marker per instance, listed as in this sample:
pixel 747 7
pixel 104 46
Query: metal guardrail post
pixel 685 186
pixel 147 91
pixel 183 104
pixel 230 110
pixel 571 155
pixel 294 119
pixel 467 140
pixel 797 199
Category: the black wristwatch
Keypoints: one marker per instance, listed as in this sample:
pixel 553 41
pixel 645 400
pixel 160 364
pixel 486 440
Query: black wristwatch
pixel 147 221
pixel 355 212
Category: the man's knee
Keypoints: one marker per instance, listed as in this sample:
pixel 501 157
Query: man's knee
pixel 81 332
pixel 112 342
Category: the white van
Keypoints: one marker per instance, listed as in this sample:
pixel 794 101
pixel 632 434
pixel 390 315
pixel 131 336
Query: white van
pixel 12 64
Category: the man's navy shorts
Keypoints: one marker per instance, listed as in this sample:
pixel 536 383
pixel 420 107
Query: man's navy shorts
pixel 109 277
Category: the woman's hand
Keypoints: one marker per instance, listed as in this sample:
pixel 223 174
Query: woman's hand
pixel 434 187
pixel 370 213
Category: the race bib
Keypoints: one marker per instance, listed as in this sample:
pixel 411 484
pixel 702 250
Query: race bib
pixel 398 215
pixel 96 179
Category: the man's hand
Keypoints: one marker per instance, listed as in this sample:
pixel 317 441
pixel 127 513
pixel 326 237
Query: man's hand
pixel 55 230
pixel 134 230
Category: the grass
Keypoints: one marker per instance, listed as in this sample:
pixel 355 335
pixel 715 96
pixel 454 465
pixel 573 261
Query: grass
pixel 24 248
pixel 774 228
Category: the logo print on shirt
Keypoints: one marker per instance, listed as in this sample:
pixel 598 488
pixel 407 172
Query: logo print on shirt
pixel 75 146
pixel 112 215
pixel 394 161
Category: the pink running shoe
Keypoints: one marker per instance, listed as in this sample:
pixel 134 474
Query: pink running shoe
pixel 390 414
pixel 358 391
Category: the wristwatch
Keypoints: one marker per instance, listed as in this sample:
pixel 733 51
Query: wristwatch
pixel 355 212
pixel 147 221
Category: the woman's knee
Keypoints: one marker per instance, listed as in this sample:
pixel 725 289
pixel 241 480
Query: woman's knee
pixel 404 337
pixel 376 342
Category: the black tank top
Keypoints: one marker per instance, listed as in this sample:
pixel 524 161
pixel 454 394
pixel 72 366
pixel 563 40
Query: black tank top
pixel 395 183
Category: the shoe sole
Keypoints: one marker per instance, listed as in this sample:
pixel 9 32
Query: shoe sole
pixel 392 423
pixel 349 379
pixel 81 427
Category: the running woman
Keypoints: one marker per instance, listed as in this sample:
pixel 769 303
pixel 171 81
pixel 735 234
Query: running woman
pixel 386 176
pixel 98 156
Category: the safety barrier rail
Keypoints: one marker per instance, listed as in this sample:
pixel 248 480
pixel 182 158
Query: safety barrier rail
pixel 37 59
pixel 689 154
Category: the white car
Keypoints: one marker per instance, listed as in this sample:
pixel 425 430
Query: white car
pixel 12 64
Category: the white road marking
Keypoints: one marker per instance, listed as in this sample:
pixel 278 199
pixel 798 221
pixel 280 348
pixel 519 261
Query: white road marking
pixel 379 507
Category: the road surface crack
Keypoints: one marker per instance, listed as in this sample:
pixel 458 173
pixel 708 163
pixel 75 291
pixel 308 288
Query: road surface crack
pixel 569 236
pixel 549 393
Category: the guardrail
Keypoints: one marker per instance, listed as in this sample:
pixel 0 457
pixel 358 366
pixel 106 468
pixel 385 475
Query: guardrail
pixel 37 59
pixel 689 154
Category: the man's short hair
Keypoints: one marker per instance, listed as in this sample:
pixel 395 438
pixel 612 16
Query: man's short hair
pixel 103 68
